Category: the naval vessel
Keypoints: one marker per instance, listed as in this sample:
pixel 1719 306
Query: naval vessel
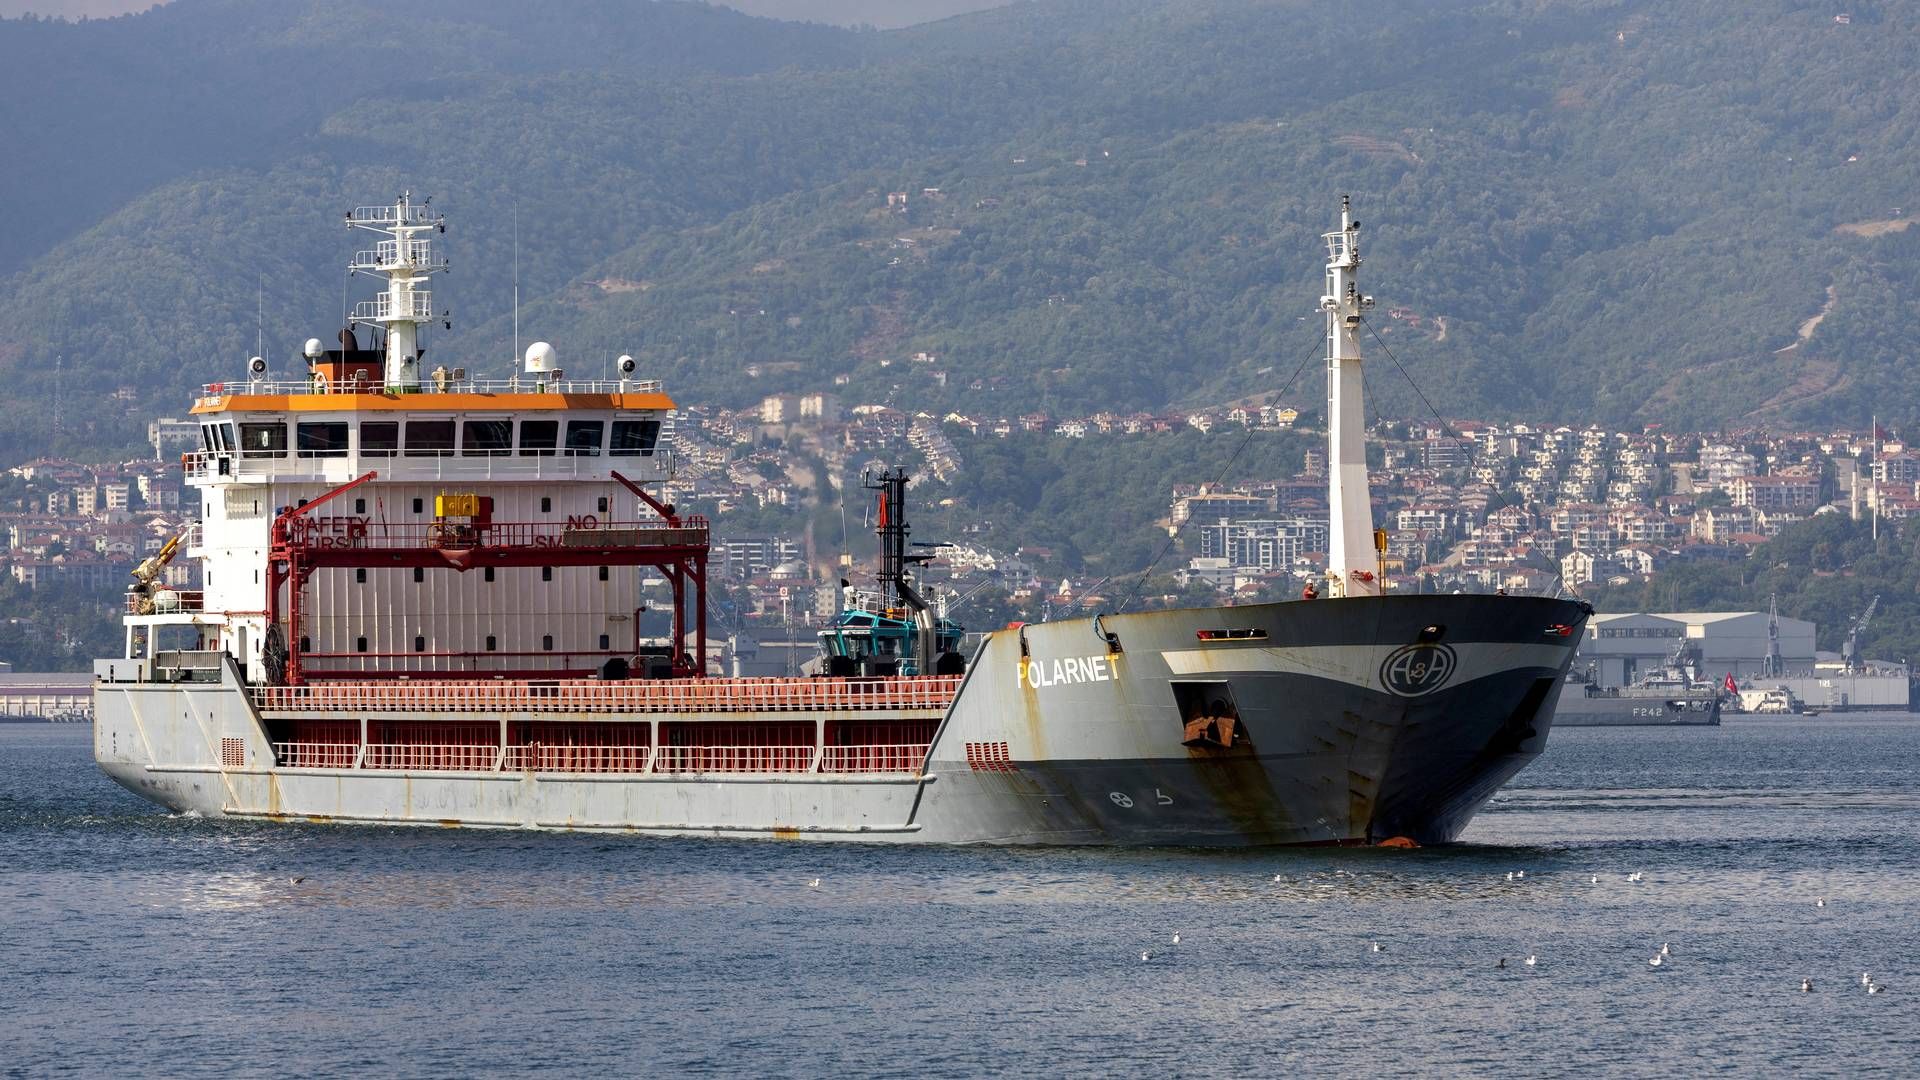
pixel 1663 697
pixel 419 604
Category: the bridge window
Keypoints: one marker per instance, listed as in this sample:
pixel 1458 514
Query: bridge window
pixel 546 573
pixel 379 438
pixel 360 575
pixel 601 505
pixel 546 642
pixel 223 434
pixel 429 438
pixel 316 439
pixel 584 437
pixel 538 437
pixel 489 573
pixel 487 438
pixel 634 438
pixel 419 643
pixel 360 643
pixel 492 643
pixel 419 574
pixel 263 440
pixel 603 573
pixel 606 642
pixel 546 505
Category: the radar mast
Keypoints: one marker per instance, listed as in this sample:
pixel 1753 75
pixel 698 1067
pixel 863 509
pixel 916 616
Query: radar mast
pixel 1353 567
pixel 405 259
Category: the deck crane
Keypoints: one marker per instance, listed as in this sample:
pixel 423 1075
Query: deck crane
pixel 1850 649
pixel 146 589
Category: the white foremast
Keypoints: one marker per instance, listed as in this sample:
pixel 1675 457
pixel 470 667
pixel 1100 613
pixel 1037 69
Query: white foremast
pixel 1353 565
pixel 406 262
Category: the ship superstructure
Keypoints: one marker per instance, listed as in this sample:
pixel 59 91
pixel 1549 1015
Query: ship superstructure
pixel 423 604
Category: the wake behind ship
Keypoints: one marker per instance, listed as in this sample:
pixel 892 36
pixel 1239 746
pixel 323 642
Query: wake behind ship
pixel 421 605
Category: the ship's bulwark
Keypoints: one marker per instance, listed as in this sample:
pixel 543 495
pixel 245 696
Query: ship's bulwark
pixel 1327 722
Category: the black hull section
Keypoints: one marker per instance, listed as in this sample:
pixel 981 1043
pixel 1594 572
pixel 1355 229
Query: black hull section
pixel 1338 740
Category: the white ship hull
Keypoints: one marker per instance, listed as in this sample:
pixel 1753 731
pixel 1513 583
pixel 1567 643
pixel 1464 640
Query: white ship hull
pixel 1051 739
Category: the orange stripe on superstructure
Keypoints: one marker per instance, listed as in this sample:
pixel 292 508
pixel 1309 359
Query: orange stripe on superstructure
pixel 427 402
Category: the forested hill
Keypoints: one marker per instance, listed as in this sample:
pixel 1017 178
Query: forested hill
pixel 1576 210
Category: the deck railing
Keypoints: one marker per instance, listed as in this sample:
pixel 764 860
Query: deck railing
pixel 425 756
pixel 639 696
pixel 888 758
pixel 735 759
pixel 523 384
pixel 578 759
pixel 316 755
pixel 901 758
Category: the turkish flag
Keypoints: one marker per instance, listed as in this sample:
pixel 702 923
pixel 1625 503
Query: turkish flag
pixel 1731 688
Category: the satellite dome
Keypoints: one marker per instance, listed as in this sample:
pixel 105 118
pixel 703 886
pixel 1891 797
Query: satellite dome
pixel 540 357
pixel 313 349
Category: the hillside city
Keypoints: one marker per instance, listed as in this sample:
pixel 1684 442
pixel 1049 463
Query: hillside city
pixel 1464 505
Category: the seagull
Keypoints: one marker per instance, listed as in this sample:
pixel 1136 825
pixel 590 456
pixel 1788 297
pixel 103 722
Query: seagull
pixel 1278 877
pixel 1635 876
pixel 1866 979
pixel 1377 947
pixel 1665 949
pixel 1509 875
pixel 1873 988
pixel 1656 961
pixel 1502 964
pixel 814 884
pixel 1520 873
pixel 1176 939
pixel 1146 956
pixel 295 880
pixel 1822 902
pixel 1532 959
pixel 1595 880
pixel 1806 986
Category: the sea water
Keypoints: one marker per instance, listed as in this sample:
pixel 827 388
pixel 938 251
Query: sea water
pixel 133 941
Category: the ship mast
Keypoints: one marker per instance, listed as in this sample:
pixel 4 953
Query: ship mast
pixel 1353 567
pixel 406 261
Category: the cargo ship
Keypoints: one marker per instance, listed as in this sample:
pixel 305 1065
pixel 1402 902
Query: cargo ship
pixel 420 604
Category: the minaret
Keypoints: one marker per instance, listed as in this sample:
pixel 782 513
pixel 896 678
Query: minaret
pixel 1353 567
pixel 405 261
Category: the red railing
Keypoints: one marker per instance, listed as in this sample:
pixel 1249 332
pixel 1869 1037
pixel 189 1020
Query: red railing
pixel 330 531
pixel 467 757
pixel 925 692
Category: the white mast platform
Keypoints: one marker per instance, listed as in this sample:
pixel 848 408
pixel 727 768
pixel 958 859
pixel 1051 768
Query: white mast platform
pixel 406 261
pixel 1353 564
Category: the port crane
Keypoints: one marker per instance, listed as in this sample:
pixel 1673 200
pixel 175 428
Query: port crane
pixel 1772 667
pixel 1850 649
